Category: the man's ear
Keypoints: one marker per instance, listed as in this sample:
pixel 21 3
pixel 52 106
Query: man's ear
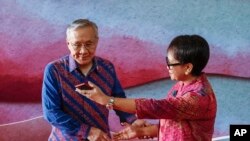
pixel 67 42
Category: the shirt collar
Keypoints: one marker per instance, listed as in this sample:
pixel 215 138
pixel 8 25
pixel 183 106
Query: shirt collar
pixel 73 65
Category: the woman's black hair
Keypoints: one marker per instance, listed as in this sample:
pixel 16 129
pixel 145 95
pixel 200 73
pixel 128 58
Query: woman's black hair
pixel 192 49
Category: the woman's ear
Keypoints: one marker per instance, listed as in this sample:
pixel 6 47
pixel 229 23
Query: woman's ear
pixel 189 68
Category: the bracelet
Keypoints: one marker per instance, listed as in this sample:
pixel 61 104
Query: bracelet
pixel 110 104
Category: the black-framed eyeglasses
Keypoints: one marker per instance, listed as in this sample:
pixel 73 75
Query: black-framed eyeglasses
pixel 173 64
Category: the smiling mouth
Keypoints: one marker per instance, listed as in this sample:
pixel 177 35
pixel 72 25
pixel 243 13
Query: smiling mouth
pixel 83 57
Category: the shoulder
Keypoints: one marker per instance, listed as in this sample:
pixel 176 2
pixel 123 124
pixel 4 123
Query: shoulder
pixel 104 62
pixel 58 62
pixel 202 86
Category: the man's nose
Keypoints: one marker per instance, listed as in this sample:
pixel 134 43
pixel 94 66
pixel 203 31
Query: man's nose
pixel 83 49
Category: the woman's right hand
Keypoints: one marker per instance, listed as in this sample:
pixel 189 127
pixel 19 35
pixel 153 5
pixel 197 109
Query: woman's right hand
pixel 94 94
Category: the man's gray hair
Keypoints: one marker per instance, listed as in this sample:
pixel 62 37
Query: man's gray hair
pixel 81 23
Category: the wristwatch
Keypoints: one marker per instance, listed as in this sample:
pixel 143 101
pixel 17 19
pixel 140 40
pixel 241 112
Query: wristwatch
pixel 110 104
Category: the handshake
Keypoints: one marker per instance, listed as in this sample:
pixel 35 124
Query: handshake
pixel 139 129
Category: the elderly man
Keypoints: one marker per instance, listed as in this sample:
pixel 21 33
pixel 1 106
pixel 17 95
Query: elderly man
pixel 73 116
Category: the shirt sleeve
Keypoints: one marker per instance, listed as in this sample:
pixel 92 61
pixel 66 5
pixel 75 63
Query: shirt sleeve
pixel 52 103
pixel 189 106
pixel 118 91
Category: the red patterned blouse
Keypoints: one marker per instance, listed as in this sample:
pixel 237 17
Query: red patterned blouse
pixel 187 114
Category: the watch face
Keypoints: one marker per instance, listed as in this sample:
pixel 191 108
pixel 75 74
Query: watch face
pixel 110 104
pixel 111 100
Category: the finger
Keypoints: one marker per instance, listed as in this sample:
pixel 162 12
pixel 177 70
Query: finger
pixel 118 137
pixel 124 124
pixel 88 96
pixel 115 135
pixel 106 138
pixel 78 90
pixel 91 84
pixel 121 136
pixel 83 92
pixel 147 124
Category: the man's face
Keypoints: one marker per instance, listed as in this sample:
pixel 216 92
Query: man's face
pixel 82 44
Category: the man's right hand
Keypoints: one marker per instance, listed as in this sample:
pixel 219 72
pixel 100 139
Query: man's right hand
pixel 130 132
pixel 96 134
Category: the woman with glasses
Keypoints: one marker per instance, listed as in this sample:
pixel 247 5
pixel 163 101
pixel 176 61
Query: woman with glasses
pixel 188 112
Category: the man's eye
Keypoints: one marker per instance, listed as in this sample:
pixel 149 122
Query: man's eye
pixel 77 45
pixel 88 44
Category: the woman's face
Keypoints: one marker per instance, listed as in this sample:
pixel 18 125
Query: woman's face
pixel 176 70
